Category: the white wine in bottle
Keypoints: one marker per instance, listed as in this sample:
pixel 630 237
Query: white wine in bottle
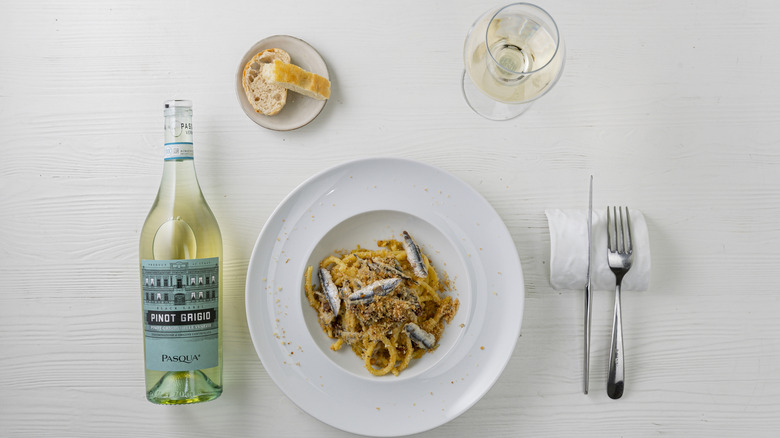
pixel 181 277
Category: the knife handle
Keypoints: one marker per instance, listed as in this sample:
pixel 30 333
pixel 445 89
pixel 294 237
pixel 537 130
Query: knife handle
pixel 586 355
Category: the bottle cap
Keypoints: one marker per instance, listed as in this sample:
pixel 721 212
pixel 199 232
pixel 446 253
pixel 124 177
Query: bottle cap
pixel 178 104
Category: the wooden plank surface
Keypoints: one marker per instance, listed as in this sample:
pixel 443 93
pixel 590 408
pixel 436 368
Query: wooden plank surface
pixel 673 106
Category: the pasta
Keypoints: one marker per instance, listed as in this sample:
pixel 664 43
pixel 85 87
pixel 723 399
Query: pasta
pixel 387 304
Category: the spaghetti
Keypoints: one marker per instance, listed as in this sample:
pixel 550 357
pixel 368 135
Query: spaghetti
pixel 379 303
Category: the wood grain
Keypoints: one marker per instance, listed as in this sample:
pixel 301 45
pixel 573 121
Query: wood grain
pixel 671 105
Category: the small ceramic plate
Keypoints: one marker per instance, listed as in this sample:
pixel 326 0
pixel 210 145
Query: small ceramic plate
pixel 299 109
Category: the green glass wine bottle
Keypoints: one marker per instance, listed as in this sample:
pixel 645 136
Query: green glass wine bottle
pixel 181 277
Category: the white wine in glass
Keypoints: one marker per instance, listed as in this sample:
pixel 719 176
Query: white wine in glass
pixel 513 56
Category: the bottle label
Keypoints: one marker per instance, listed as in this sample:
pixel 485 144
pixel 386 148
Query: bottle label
pixel 180 297
pixel 178 151
pixel 178 140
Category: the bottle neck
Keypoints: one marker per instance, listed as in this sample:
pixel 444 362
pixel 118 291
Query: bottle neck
pixel 179 177
pixel 178 134
pixel 179 183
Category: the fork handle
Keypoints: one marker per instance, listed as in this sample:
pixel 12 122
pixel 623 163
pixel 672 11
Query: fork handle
pixel 616 376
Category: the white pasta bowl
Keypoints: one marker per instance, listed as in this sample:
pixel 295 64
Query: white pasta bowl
pixel 357 203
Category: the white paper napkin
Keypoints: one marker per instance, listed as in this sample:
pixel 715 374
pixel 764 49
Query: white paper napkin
pixel 569 251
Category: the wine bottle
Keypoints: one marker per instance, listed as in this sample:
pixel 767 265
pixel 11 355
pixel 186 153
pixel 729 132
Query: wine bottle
pixel 181 277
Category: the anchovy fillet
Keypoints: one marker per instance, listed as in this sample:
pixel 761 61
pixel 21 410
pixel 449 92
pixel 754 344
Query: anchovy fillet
pixel 420 336
pixel 414 256
pixel 387 269
pixel 330 289
pixel 376 289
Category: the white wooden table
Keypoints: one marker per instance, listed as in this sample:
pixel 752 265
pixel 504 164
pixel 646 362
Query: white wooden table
pixel 673 106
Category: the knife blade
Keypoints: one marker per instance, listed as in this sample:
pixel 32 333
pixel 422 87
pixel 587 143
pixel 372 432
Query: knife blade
pixel 588 294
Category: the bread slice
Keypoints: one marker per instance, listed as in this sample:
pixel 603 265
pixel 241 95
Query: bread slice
pixel 266 98
pixel 297 79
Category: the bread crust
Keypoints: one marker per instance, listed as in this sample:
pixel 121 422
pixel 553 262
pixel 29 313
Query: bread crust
pixel 294 78
pixel 266 98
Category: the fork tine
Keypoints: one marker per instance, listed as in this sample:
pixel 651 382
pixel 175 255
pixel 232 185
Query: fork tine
pixel 629 245
pixel 616 228
pixel 610 238
pixel 621 232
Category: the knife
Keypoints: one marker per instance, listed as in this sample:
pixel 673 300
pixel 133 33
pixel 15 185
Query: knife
pixel 588 294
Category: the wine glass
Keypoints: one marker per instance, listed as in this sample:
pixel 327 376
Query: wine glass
pixel 513 55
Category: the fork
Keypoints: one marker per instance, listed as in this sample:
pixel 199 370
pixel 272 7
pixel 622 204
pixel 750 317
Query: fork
pixel 620 255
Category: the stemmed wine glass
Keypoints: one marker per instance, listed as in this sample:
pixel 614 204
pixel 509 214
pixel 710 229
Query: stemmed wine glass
pixel 513 55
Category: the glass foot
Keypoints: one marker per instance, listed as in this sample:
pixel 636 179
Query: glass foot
pixel 487 107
